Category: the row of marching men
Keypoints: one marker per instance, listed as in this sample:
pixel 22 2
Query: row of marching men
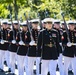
pixel 17 45
pixel 46 47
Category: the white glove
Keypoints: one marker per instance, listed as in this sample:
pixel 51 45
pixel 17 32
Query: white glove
pixel 69 44
pixel 2 41
pixel 21 43
pixel 32 43
pixel 60 44
pixel 14 41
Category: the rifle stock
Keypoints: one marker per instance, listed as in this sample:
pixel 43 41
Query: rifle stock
pixel 28 24
pixel 65 25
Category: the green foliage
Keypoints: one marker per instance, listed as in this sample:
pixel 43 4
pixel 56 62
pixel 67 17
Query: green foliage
pixel 46 8
pixel 3 11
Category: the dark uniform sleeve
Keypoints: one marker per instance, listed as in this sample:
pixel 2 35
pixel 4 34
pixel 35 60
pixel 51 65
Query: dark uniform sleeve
pixel 60 41
pixel 39 44
pixel 27 38
pixel 59 47
pixel 64 39
pixel 18 37
pixel 0 34
pixel 57 41
pixel 10 36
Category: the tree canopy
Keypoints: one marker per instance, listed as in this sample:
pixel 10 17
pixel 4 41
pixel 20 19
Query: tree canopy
pixel 45 8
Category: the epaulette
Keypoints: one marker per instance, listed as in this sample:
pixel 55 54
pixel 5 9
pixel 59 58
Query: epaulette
pixel 42 30
pixel 9 31
pixel 54 30
pixel 61 30
pixel 64 31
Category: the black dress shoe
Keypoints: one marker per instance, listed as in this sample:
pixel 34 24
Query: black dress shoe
pixel 70 71
pixel 5 63
pixel 48 73
pixel 1 70
pixel 9 70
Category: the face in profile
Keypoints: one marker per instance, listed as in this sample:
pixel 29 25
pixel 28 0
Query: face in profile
pixel 5 26
pixel 15 26
pixel 71 27
pixel 24 28
pixel 57 26
pixel 35 25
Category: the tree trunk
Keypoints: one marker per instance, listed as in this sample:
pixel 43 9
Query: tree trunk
pixel 15 9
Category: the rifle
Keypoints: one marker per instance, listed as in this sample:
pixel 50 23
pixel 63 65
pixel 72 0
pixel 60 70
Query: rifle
pixel 1 41
pixel 20 42
pixel 29 28
pixel 10 9
pixel 65 25
pixel 40 21
pixel 46 14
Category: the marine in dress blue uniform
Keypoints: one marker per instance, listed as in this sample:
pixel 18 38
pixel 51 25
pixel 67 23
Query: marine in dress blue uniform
pixel 47 41
pixel 3 43
pixel 60 56
pixel 23 39
pixel 32 51
pixel 13 45
pixel 70 49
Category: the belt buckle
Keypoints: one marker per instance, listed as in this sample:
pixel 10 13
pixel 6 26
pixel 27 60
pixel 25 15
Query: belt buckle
pixel 50 45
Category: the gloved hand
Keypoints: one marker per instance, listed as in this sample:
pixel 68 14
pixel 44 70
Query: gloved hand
pixel 32 43
pixel 2 41
pixel 21 43
pixel 13 41
pixel 60 44
pixel 69 44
